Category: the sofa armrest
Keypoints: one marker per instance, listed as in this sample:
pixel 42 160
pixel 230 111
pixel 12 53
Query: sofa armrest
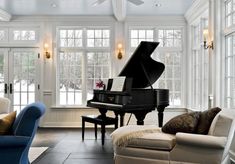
pixel 13 141
pixel 201 140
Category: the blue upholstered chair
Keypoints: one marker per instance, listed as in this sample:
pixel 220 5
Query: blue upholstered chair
pixel 14 148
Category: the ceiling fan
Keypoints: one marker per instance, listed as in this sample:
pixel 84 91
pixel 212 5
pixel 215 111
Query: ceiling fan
pixel 136 2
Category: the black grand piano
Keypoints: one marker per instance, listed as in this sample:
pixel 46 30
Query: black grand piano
pixel 138 96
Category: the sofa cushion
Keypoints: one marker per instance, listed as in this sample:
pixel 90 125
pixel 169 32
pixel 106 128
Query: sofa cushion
pixel 186 123
pixel 205 120
pixel 6 123
pixel 157 141
pixel 3 115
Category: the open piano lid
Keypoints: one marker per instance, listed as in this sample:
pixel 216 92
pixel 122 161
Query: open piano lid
pixel 143 70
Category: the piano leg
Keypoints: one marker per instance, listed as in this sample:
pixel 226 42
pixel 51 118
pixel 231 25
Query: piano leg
pixel 160 110
pixel 121 117
pixel 140 117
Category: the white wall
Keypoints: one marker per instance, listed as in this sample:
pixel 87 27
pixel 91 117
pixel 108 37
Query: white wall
pixel 71 117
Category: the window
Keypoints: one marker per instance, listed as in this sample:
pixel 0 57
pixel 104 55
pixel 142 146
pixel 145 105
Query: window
pixel 170 38
pixel 229 57
pixel 170 55
pixel 70 78
pixel 139 35
pixel 3 35
pixel 98 38
pixel 98 67
pixel 24 35
pixel 71 38
pixel 229 12
pixel 84 58
pixel 199 63
pixel 230 71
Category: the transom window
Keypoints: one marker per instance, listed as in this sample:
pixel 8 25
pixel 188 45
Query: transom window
pixel 139 35
pixel 71 38
pixel 24 35
pixel 84 58
pixel 170 38
pixel 230 12
pixel 98 38
pixel 2 35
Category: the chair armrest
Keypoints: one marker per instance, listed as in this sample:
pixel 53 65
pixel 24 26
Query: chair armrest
pixel 199 140
pixel 13 141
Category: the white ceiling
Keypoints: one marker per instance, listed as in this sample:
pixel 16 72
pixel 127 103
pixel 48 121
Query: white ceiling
pixel 85 7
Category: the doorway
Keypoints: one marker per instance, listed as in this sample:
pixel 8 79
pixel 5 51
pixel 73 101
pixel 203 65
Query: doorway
pixel 19 76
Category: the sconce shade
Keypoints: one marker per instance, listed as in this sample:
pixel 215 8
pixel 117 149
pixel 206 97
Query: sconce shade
pixel 47 54
pixel 205 34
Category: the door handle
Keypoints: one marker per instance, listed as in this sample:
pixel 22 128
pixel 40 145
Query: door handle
pixel 5 88
pixel 10 88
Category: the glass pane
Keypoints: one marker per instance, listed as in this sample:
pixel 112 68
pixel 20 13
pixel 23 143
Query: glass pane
pixel 62 98
pixel 16 98
pixel 2 35
pixel 134 34
pixel 149 33
pixel 70 98
pixel 62 33
pixel 141 33
pixel 24 98
pixel 106 34
pixel 78 98
pixel 98 33
pixel 90 42
pixel 16 35
pixel 90 34
pixel 31 97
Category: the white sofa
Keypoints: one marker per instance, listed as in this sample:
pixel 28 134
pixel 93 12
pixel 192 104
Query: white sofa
pixel 4 106
pixel 159 147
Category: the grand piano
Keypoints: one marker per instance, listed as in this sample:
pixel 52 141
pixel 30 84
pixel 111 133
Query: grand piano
pixel 138 96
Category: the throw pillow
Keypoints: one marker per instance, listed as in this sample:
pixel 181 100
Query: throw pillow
pixel 205 120
pixel 186 123
pixel 6 123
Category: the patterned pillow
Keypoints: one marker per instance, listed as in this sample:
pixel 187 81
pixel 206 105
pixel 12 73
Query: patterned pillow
pixel 6 123
pixel 205 120
pixel 186 123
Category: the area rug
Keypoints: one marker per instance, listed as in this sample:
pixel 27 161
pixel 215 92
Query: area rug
pixel 35 152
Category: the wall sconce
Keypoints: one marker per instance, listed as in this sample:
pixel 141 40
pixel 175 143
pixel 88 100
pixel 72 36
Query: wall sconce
pixel 47 54
pixel 119 55
pixel 206 43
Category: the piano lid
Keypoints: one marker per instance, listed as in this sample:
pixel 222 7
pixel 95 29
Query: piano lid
pixel 141 67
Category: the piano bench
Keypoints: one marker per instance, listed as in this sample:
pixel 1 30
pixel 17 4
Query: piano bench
pixel 100 120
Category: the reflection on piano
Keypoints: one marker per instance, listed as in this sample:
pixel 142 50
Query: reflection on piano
pixel 141 71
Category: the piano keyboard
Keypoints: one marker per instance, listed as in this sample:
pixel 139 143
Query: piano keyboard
pixel 107 104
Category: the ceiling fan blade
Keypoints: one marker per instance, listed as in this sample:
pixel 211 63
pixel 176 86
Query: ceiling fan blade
pixel 136 2
pixel 98 2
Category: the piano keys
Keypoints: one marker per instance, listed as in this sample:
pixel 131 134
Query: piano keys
pixel 138 95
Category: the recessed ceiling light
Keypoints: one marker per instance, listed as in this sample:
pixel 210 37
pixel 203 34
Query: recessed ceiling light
pixel 158 5
pixel 53 5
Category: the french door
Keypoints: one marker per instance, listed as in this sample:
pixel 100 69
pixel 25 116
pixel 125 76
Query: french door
pixel 19 74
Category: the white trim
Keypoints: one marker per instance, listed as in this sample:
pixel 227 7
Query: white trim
pixel 4 16
pixel 197 8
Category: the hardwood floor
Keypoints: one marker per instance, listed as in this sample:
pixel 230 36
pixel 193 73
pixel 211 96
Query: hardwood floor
pixel 66 147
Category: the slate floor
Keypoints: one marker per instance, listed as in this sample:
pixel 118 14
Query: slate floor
pixel 66 147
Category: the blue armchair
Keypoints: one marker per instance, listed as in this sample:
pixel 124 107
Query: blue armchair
pixel 14 148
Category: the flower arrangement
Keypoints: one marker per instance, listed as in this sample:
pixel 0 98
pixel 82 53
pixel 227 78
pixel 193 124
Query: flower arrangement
pixel 100 84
